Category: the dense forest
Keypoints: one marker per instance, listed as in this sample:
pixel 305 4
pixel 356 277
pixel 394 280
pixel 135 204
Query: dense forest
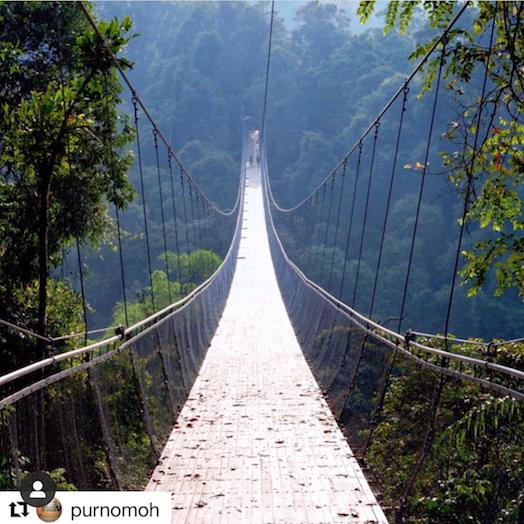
pixel 200 68
pixel 326 84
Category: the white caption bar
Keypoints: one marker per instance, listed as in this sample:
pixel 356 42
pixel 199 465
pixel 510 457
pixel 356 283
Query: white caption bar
pixel 89 507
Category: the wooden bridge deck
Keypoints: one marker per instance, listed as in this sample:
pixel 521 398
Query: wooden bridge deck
pixel 255 441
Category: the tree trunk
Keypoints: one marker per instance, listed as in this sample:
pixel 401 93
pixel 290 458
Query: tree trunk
pixel 43 252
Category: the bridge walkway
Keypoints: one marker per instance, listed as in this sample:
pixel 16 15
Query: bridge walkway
pixel 255 441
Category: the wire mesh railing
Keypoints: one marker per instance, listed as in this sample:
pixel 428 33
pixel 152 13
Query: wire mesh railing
pixel 493 376
pixel 103 412
pixel 396 397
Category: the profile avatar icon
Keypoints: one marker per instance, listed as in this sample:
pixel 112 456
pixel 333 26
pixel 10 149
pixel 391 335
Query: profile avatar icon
pixel 50 512
pixel 37 489
pixel 37 492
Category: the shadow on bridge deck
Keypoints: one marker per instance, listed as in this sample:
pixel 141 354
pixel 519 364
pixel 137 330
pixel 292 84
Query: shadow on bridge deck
pixel 255 441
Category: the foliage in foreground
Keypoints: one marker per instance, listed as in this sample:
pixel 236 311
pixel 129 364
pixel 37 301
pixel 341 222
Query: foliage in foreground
pixel 474 470
pixel 59 123
pixel 489 170
pixel 186 272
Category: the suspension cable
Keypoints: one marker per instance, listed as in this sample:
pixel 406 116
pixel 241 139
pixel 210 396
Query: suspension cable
pixel 194 226
pixel 388 202
pixel 186 230
pixel 266 85
pixel 365 218
pixel 139 101
pixel 117 210
pixel 332 262
pixel 427 443
pixel 316 254
pixel 350 222
pixel 388 372
pixel 144 209
pixel 70 167
pixel 82 288
pixel 196 221
pixel 175 218
pixel 352 382
pixel 421 191
pixel 442 38
pixel 324 256
pixel 309 214
pixel 199 212
pixel 162 214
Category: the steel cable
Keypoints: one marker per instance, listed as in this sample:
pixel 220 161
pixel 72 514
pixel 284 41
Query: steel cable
pixel 365 218
pixel 377 118
pixel 331 264
pixel 154 125
pixel 186 230
pixel 421 191
pixel 70 167
pixel 266 84
pixel 162 215
pixel 328 220
pixel 117 211
pixel 316 254
pixel 378 411
pixel 388 202
pixel 362 347
pixel 175 219
pixel 350 222
pixel 144 210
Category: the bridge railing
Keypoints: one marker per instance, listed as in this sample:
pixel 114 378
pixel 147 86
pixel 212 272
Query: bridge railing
pixel 397 397
pixel 104 411
pixel 295 284
pixel 120 340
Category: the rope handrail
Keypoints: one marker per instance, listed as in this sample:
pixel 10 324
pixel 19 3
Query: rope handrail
pixel 374 122
pixel 25 331
pixel 213 205
pixel 454 340
pixel 51 340
pixel 365 321
pixel 378 329
pixel 198 289
pixel 83 333
pixel 41 364
pixel 14 375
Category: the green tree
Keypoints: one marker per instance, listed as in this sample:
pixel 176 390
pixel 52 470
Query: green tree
pixel 195 268
pixel 58 115
pixel 322 28
pixel 489 168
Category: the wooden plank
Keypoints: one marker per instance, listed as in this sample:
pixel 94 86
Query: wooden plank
pixel 256 441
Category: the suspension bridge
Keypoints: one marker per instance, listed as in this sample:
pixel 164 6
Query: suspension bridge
pixel 255 439
pixel 246 398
